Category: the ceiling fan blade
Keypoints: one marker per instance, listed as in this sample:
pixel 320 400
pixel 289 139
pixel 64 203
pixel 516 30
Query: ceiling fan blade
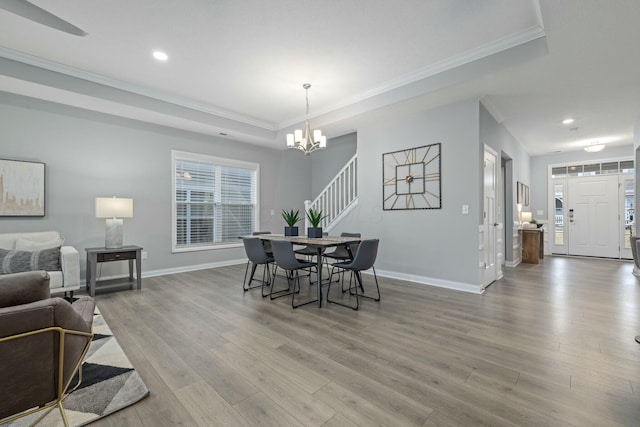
pixel 34 13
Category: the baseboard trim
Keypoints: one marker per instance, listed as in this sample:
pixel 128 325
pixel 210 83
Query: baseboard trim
pixel 431 281
pixel 175 270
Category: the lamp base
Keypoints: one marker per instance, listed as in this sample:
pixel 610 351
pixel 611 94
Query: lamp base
pixel 113 236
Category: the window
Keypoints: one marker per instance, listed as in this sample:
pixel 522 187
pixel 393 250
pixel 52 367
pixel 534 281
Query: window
pixel 214 201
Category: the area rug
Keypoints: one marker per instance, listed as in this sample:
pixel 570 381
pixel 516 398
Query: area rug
pixel 109 383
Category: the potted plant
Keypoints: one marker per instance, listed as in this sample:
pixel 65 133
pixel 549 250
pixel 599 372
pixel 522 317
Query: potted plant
pixel 291 218
pixel 314 218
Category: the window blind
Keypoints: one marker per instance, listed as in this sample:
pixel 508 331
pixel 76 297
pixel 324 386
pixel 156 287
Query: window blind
pixel 215 201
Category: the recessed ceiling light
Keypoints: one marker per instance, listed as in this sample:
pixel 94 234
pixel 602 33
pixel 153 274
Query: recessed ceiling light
pixel 160 56
pixel 568 121
pixel 594 148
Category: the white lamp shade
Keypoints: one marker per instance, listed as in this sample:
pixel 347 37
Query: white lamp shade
pixel 290 142
pixel 323 141
pixel 297 135
pixel 526 216
pixel 114 207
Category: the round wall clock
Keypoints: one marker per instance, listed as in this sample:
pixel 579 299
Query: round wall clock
pixel 411 178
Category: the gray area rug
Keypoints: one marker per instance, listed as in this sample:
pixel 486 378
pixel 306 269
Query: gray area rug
pixel 109 383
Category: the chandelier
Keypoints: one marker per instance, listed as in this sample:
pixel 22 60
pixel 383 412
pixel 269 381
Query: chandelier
pixel 305 140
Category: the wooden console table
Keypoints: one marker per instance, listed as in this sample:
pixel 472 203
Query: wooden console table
pixel 532 245
pixel 96 255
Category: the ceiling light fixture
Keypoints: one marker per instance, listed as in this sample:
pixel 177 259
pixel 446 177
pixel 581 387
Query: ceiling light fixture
pixel 305 140
pixel 568 121
pixel 160 56
pixel 594 148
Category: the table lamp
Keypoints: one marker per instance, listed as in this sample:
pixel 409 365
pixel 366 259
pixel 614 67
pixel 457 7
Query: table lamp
pixel 114 209
pixel 526 217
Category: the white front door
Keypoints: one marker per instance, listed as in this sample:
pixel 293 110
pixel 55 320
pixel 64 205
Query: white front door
pixel 491 260
pixel 593 216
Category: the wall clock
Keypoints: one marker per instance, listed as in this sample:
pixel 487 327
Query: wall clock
pixel 411 178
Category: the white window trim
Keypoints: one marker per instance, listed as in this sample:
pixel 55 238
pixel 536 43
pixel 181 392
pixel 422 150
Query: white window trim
pixel 175 154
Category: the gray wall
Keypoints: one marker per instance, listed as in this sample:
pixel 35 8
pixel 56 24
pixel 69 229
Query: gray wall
pixel 88 155
pixel 437 246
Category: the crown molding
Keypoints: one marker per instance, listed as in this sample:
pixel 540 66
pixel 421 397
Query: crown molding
pixel 49 65
pixel 505 43
pixel 508 42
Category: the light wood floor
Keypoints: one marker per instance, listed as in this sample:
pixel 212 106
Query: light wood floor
pixel 550 344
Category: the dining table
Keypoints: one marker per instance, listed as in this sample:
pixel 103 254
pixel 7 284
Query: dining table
pixel 320 243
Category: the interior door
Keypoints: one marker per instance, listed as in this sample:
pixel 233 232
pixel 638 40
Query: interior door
pixel 490 224
pixel 593 216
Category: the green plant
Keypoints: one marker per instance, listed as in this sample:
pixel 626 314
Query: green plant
pixel 315 217
pixel 533 221
pixel 291 217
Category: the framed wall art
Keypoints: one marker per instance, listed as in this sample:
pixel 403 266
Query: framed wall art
pixel 411 178
pixel 21 188
pixel 522 194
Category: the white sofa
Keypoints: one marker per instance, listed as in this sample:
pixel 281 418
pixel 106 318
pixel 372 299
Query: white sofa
pixel 67 280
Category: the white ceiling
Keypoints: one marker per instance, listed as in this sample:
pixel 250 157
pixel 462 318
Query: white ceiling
pixel 237 67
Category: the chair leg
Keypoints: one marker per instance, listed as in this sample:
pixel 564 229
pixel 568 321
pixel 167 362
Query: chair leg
pixel 339 303
pixel 284 292
pixel 375 276
pixel 246 284
pixel 267 282
pixel 293 295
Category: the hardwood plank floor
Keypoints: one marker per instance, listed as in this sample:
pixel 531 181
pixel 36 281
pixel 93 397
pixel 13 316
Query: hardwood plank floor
pixel 548 345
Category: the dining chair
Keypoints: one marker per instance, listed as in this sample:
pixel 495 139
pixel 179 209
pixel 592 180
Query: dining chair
pixel 265 243
pixel 285 258
pixel 256 255
pixel 343 253
pixel 310 251
pixel 363 260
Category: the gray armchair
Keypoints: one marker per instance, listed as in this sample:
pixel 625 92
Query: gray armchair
pixel 43 342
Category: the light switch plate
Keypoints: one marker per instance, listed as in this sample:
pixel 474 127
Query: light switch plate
pixel 465 209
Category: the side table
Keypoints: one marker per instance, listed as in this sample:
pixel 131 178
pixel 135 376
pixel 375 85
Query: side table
pixel 96 255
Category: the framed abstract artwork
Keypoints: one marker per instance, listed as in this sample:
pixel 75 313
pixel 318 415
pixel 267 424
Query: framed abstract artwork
pixel 21 188
pixel 411 178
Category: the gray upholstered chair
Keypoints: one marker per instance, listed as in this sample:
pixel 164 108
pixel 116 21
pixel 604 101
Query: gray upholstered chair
pixel 265 243
pixel 363 260
pixel 344 252
pixel 43 342
pixel 257 255
pixel 286 259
